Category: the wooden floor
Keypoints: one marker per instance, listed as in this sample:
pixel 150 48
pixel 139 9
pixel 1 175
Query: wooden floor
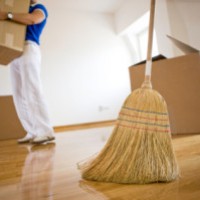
pixel 50 172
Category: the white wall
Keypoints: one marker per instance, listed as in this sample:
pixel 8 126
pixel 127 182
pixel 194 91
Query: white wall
pixel 184 18
pixel 85 66
pixel 162 26
pixel 4 80
pixel 129 12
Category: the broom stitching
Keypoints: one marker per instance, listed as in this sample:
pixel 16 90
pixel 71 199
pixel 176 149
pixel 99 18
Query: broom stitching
pixel 137 122
pixel 145 129
pixel 144 111
pixel 156 119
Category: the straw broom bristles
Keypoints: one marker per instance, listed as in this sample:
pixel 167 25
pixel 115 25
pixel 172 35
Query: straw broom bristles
pixel 140 149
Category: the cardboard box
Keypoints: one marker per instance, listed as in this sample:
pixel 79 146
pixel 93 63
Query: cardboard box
pixel 178 81
pixel 10 126
pixel 12 35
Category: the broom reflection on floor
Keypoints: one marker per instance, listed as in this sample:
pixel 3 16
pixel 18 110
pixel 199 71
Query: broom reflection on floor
pixel 130 192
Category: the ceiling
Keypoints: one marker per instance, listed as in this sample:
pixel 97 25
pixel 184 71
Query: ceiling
pixel 105 6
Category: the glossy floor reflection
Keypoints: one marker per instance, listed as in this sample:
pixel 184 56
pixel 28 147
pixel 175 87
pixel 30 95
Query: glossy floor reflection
pixel 50 171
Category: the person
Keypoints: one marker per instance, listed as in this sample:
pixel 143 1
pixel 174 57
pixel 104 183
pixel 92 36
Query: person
pixel 26 82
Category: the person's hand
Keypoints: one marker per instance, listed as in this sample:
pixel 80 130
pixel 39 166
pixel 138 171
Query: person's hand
pixel 3 15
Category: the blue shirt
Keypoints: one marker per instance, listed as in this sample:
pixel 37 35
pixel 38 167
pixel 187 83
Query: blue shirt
pixel 34 31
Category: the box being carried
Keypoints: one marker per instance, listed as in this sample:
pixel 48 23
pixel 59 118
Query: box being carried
pixel 177 80
pixel 12 35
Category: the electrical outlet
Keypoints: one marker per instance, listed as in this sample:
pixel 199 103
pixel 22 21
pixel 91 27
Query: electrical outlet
pixel 103 108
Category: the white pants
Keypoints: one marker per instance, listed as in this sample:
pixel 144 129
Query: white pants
pixel 27 92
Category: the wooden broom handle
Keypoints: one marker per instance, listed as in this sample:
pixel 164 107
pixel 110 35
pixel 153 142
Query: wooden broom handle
pixel 151 25
pixel 147 81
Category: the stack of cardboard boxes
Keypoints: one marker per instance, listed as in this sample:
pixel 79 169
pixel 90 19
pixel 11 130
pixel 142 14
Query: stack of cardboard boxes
pixel 12 36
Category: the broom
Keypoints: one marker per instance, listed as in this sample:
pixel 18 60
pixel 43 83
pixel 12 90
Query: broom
pixel 139 149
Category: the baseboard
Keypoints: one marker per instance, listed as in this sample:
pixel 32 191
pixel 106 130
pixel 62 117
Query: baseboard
pixel 106 123
pixel 84 126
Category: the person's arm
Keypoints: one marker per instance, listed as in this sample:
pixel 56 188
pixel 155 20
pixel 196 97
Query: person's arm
pixel 35 17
